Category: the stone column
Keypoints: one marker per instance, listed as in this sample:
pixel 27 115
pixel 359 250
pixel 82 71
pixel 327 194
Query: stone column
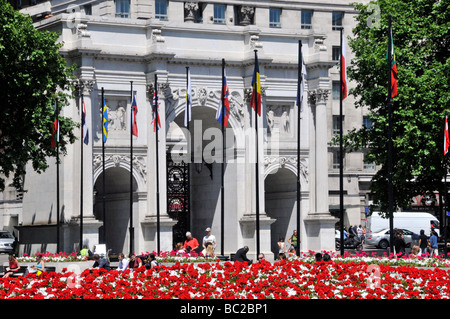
pixel 90 223
pixel 319 223
pixel 150 221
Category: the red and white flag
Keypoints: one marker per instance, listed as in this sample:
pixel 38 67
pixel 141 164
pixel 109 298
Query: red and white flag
pixel 344 69
pixel 446 138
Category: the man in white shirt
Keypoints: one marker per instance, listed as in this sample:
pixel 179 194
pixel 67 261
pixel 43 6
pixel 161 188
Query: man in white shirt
pixel 123 262
pixel 209 239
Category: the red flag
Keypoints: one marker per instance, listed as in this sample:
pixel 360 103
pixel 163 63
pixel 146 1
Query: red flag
pixel 393 67
pixel 446 138
pixel 256 84
pixel 134 129
pixel 344 70
pixel 55 131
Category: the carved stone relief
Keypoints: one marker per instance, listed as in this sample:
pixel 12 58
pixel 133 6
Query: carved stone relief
pixel 278 116
pixel 289 160
pixel 138 163
pixel 117 117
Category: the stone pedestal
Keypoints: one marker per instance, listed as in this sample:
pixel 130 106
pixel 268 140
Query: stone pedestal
pixel 248 224
pixel 150 233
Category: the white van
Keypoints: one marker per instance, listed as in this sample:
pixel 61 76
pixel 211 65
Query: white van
pixel 412 221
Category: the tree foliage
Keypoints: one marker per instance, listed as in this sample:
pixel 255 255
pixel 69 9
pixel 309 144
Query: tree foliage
pixel 421 41
pixel 33 76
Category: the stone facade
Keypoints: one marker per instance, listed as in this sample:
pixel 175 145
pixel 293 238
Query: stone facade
pixel 114 43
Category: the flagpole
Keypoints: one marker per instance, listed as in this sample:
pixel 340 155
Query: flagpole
pixel 81 170
pixel 341 153
pixel 299 101
pixel 188 106
pixel 103 167
pixel 444 227
pixel 257 163
pixel 222 195
pixel 390 188
pixel 158 242
pixel 131 169
pixel 58 248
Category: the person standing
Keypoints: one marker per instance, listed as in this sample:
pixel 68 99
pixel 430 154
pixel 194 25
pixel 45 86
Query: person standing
pixel 208 238
pixel 399 244
pixel 281 246
pixel 423 243
pixel 433 244
pixel 293 240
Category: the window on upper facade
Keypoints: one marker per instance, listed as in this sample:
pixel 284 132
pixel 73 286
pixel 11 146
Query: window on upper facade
pixel 122 8
pixel 161 9
pixel 307 19
pixel 336 90
pixel 337 159
pixel 275 18
pixel 337 124
pixel 87 9
pixel 367 123
pixel 336 21
pixel 368 164
pixel 219 13
pixel 336 53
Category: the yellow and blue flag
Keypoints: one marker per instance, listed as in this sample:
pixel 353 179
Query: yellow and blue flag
pixel 105 122
pixel 255 102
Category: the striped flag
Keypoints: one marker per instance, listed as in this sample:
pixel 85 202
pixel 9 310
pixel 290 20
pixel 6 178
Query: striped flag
pixel 393 66
pixel 134 110
pixel 85 130
pixel 105 122
pixel 156 121
pixel 344 69
pixel 225 93
pixel 256 84
pixel 446 138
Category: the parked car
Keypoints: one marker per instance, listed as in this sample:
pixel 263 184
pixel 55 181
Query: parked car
pixel 351 242
pixel 6 242
pixel 381 238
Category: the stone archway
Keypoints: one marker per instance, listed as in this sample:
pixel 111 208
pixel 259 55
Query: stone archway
pixel 116 222
pixel 205 169
pixel 281 204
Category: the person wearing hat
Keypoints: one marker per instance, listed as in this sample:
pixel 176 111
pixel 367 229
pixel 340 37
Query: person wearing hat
pixel 208 238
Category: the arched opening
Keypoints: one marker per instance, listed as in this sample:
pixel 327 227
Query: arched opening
pixel 205 171
pixel 281 205
pixel 115 230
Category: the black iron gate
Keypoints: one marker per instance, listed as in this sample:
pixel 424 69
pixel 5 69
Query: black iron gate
pixel 178 203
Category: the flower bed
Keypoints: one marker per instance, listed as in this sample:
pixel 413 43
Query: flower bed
pixel 358 277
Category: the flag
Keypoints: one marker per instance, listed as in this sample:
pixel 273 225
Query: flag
pixel 446 138
pixel 188 100
pixel 225 93
pixel 393 66
pixel 55 131
pixel 134 110
pixel 256 84
pixel 105 121
pixel 155 113
pixel 344 70
pixel 302 86
pixel 85 130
